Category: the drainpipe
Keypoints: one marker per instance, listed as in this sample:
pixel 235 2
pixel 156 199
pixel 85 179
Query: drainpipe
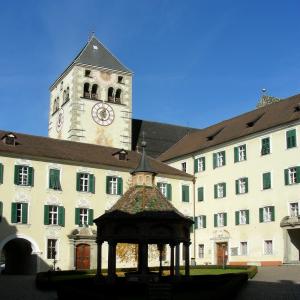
pixel 194 209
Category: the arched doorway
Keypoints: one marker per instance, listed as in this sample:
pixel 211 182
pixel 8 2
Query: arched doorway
pixel 83 257
pixel 19 258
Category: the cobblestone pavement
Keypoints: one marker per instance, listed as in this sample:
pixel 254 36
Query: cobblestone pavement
pixel 273 283
pixel 22 287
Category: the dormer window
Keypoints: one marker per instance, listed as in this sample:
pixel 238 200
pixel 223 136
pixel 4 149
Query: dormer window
pixel 87 73
pixel 9 139
pixel 120 79
pixel 297 107
pixel 121 155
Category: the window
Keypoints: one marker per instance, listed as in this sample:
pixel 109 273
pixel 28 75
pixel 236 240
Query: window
pixel 185 193
pixel 220 220
pixel 244 248
pixel 268 247
pixel 183 166
pixel 84 216
pixel 51 248
pixel 241 186
pixel 240 153
pixel 94 94
pixel 54 215
pixel 199 164
pixel 54 179
pixel 267 214
pixel 87 73
pixel 201 251
pixel 1 173
pixel 114 185
pixel 220 190
pixel 219 159
pixel 55 105
pixel 19 212
pixel 265 146
pixel 200 194
pixel 292 175
pixel 266 181
pixel 242 217
pixel 294 209
pixel 23 175
pixel 86 90
pixel 110 94
pixel 118 96
pixel 120 79
pixel 165 189
pixel 291 141
pixel 234 251
pixel 201 222
pixel 85 182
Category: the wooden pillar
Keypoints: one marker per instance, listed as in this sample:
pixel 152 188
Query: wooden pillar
pixel 143 258
pixel 177 259
pixel 187 258
pixel 99 259
pixel 172 260
pixel 160 249
pixel 111 259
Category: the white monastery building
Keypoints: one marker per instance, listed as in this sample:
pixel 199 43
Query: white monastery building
pixel 238 179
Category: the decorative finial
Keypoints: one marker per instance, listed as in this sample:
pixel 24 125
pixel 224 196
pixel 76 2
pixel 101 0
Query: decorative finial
pixel 91 35
pixel 263 91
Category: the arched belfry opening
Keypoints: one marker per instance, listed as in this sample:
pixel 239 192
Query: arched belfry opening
pixel 110 94
pixel 86 90
pixel 94 94
pixel 19 257
pixel 143 216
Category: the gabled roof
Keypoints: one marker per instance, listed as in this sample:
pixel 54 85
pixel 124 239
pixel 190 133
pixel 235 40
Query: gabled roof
pixel 42 148
pixel 94 53
pixel 264 118
pixel 159 136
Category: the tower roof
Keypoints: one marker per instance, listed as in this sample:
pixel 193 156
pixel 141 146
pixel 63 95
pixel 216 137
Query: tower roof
pixel 94 53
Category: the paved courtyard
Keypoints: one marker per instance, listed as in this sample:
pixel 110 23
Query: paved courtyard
pixel 274 283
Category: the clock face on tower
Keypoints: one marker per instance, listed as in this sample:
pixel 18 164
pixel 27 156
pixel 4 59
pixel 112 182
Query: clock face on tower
pixel 103 114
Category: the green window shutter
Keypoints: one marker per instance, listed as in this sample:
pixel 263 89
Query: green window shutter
pixel 214 160
pixel 46 214
pixel 261 215
pixel 54 179
pixel 196 222
pixel 204 221
pixel 265 147
pixel 237 218
pixel 224 189
pixel 237 187
pixel 1 211
pixel 225 219
pixel 291 138
pixel 51 179
pixel 158 185
pixel 286 176
pixel 14 212
pixel 91 216
pixel 185 193
pixel 24 213
pixel 120 185
pixel 92 183
pixel 215 220
pixel 272 213
pixel 30 176
pixel 78 182
pixel 1 173
pixel 61 216
pixel 297 174
pixel 245 151
pixel 224 158
pixel 216 191
pixel 108 179
pixel 247 216
pixel 169 191
pixel 236 154
pixel 246 184
pixel 266 181
pixel 196 165
pixel 77 216
pixel 16 178
pixel 200 194
pixel 204 166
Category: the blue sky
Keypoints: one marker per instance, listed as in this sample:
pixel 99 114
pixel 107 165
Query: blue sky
pixel 195 62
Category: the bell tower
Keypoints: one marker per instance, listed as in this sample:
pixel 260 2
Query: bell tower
pixel 91 101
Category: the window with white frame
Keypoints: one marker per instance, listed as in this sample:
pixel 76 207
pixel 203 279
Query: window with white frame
pixel 267 214
pixel 19 209
pixel 268 247
pixel 84 182
pixel 243 217
pixel 242 185
pixel 292 175
pixel 53 215
pixel 220 159
pixel 23 175
pixel 83 216
pixel 51 248
pixel 113 185
pixel 294 209
pixel 220 220
pixel 201 250
pixel 234 251
pixel 242 152
pixel 163 188
pixel 201 164
pixel 201 221
pixel 183 166
pixel 220 190
pixel 244 248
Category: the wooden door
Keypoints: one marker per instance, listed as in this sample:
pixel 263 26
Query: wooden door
pixel 83 257
pixel 222 253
